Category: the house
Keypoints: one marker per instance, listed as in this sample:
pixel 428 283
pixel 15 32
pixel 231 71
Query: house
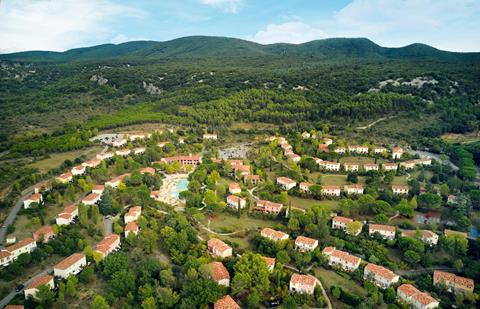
pixel 218 248
pixel 305 187
pixel 78 170
pixel 139 150
pixel 428 218
pixel 386 231
pixel 340 150
pixel 379 150
pixel 123 152
pixel 306 135
pixel 67 216
pixel 64 178
pixel 131 227
pixel 341 259
pixel 119 142
pixel 34 198
pixel 135 136
pixel 226 302
pixel 329 166
pixel 41 187
pixel 114 182
pixel 454 283
pixel 133 214
pixel 108 244
pixel 32 288
pixel 254 179
pixel 305 244
pixel 44 233
pixel 268 207
pixel 380 276
pixel 270 263
pixel 92 163
pixel 353 189
pixel 294 157
pixel 11 253
pixel 288 152
pixel 147 170
pixel 370 167
pixel 72 265
pixel 273 235
pixel 156 195
pixel 210 136
pixel 400 189
pixel 358 149
pixel 162 144
pixel 397 152
pixel 323 148
pixel 341 223
pixel 5 258
pixel 351 167
pixel 303 284
pixel 236 202
pixel 243 170
pixel 193 160
pixel 286 183
pixel 327 141
pixel 98 189
pixel 104 156
pixel 331 190
pixel 408 165
pixel 220 273
pixel 91 199
pixel 408 294
pixel 286 146
pixel 424 161
pixel 428 237
pixel 390 166
pixel 234 188
pixel 14 307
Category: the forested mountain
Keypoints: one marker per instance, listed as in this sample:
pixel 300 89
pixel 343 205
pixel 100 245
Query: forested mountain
pixel 201 47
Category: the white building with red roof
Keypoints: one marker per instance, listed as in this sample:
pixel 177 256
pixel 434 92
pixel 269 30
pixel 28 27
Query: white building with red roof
pixel 400 189
pixel 303 284
pixel 408 294
pixel 131 227
pixel 273 235
pixel 72 265
pixel 270 262
pixel 119 142
pixel 379 150
pixel 408 165
pixel 386 231
pixel 78 170
pixel 268 207
pixel 193 160
pixel 210 136
pixel 44 233
pixel 32 288
pixel 133 214
pixel 98 189
pixel 351 167
pixel 91 199
pixel 370 167
pixel 34 198
pixel 64 178
pixel 26 245
pixel 353 189
pixel 156 195
pixel 135 136
pixel 453 282
pixel 331 190
pixel 305 244
pixel 243 170
pixel 340 150
pixel 123 152
pixel 114 182
pixel 220 273
pixel 286 183
pixel 218 248
pixel 105 155
pixel 139 150
pixel 329 166
pixel 92 163
pixel 428 237
pixel 341 259
pixel 340 223
pixel 294 157
pixel 390 166
pixel 380 276
pixel 226 302
pixel 358 149
pixel 236 202
pixel 67 216
pixel 108 244
pixel 254 179
pixel 305 186
pixel 234 188
pixel 397 152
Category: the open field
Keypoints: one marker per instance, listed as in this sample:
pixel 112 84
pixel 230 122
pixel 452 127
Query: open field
pixel 305 203
pixel 225 222
pixel 56 159
pixel 400 180
pixel 334 179
pixel 461 138
pixel 330 278
pixel 360 160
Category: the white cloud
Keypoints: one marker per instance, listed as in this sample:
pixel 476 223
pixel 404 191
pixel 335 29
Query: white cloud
pixel 57 24
pixel 289 32
pixel 230 6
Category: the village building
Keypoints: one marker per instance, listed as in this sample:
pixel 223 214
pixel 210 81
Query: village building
pixel 397 153
pixel 370 167
pixel 268 207
pixel 133 214
pixel 131 227
pixel 331 190
pixel 78 170
pixel 219 249
pixel 34 198
pixel 5 258
pixel 408 294
pixel 286 183
pixel 72 265
pixel 236 202
pixel 14 307
pixel 105 156
pixel 390 166
pixel 305 244
pixel 45 233
pixel 341 223
pixel 379 150
pixel 42 187
pixel 273 235
pixel 92 163
pixel 156 195
pixel 340 150
pixel 64 178
pixel 123 152
pixel 454 283
pixel 341 259
pixel 351 167
pixel 210 136
pixel 11 253
pixel 327 141
pixel 115 182
pixel 234 188
pixel 380 276
pixel 119 142
pixel 428 218
pixel 323 148
pixel 288 152
pixel 220 273
pixel 303 284
pixel 139 150
pixel 428 237
pixel 306 135
pixel 400 189
pixel 108 244
pixel 254 179
pixel 408 165
pixel 226 302
pixel 305 187
pixel 358 149
pixel 98 189
pixel 270 263
pixel 353 189
pixel 242 170
pixel 67 216
pixel 424 161
pixel 135 136
pixel 294 157
pixel 32 288
pixel 162 144
pixel 193 160
pixel 91 199
pixel 386 231
pixel 329 166
pixel 147 170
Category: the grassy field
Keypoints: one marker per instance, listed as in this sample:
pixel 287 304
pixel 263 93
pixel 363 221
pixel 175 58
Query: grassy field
pixel 360 160
pixel 225 222
pixel 400 180
pixel 461 138
pixel 330 278
pixel 56 159
pixel 305 203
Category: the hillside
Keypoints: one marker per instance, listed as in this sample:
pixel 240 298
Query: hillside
pixel 214 47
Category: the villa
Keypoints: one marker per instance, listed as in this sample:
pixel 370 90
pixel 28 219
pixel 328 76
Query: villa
pixel 64 178
pixel 273 235
pixel 305 187
pixel 133 214
pixel 139 150
pixel 286 146
pixel 114 182
pixel 397 152
pixel 243 170
pixel 91 199
pixel 351 167
pixel 135 136
pixel 341 259
pixel 44 233
pixel 331 190
pixel 379 150
pixel 303 284
pixel 410 295
pixel 123 152
pixel 408 165
pixel 255 179
pixel 340 150
pixel 380 276
pixel 390 166
pixel 104 156
pixel 220 273
pixel 92 163
pixel 226 302
pixel 268 207
pixel 67 216
pixel 323 148
pixel 294 157
pixel 131 227
pixel 11 253
pixel 78 170
pixel 386 231
pixel 428 237
pixel 218 248
pixel 210 136
pixel 305 244
pixel 424 161
pixel 330 166
pixel 32 288
pixel 306 135
pixel 353 189
pixel 236 202
pixel 370 167
pixel 454 283
pixel 341 223
pixel 184 160
pixel 400 189
pixel 358 149
pixel 270 263
pixel 156 195
pixel 430 217
pixel 108 244
pixel 327 141
pixel 234 188
pixel 98 189
pixel 34 198
pixel 286 183
pixel 72 265
pixel 119 142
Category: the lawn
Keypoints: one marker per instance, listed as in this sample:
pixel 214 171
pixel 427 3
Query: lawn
pixel 330 278
pixel 56 159
pixel 305 203
pixel 400 180
pixel 225 222
pixel 359 160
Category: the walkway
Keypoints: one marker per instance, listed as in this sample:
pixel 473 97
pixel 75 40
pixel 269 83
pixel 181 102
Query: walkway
pixel 10 296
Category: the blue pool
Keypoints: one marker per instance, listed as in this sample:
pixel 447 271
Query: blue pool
pixel 474 232
pixel 182 185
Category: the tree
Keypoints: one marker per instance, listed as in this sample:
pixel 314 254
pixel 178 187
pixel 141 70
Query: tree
pixel 82 214
pixel 405 208
pixel 352 177
pixel 283 257
pixel 45 296
pixel 115 262
pixel 167 278
pixel 106 204
pixel 71 289
pixel 210 198
pixel 99 303
pixel 353 227
pixel 149 303
pixel 121 283
pixel 199 293
pixel 251 274
pixel 429 200
pixel 412 257
pixel 166 297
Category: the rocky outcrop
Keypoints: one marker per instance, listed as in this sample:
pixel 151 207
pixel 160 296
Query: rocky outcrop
pixel 151 88
pixel 100 80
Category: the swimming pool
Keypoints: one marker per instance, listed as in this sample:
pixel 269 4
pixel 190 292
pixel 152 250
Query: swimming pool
pixel 181 185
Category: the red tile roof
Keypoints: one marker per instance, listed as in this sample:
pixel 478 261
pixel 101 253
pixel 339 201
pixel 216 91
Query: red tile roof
pixel 381 227
pixel 217 244
pixel 107 243
pixel 304 280
pixel 22 243
pixel 45 231
pixel 306 240
pixel 226 302
pixel 219 272
pixel 445 276
pixel 43 280
pixel 69 261
pixel 381 271
pixel 285 180
pixel 342 219
pixel 131 227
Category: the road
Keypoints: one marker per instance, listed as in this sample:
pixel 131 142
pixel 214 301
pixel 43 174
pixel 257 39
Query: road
pixel 107 225
pixel 10 296
pixel 13 214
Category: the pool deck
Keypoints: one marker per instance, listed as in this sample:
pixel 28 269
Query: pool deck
pixel 169 185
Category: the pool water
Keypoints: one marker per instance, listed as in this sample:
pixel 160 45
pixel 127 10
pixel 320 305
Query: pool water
pixel 182 185
pixel 474 232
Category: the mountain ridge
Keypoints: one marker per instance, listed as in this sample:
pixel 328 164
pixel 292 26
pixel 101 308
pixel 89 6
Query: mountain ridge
pixel 224 47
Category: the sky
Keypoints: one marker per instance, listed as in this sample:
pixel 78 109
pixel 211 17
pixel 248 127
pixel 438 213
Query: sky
pixel 59 25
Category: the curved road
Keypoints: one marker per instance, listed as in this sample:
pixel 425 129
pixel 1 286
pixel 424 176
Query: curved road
pixel 13 214
pixel 10 296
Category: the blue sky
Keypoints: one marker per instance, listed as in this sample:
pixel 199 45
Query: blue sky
pixel 62 24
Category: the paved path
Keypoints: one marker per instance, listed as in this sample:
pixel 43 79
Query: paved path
pixel 12 215
pixel 374 123
pixel 10 296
